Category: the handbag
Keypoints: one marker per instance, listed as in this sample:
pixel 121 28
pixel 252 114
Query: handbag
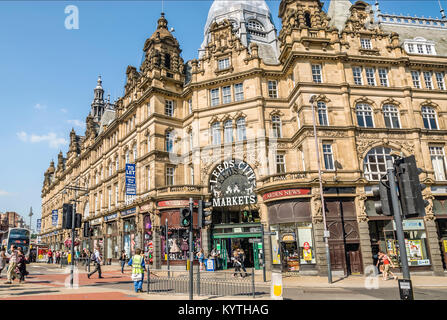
pixel 137 276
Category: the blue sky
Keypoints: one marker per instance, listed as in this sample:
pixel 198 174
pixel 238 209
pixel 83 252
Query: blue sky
pixel 47 73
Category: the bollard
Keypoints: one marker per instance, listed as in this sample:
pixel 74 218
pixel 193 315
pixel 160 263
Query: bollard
pixel 276 289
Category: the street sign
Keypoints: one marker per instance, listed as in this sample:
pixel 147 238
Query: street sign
pixel 254 240
pixel 270 233
pixel 131 186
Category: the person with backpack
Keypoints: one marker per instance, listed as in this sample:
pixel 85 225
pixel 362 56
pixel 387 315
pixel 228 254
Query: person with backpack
pixel 96 259
pixel 138 266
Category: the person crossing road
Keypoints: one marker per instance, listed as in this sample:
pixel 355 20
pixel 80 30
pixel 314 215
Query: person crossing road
pixel 96 258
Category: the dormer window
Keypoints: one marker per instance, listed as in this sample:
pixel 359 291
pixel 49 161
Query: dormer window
pixel 255 25
pixel 419 45
pixel 366 43
pixel 224 63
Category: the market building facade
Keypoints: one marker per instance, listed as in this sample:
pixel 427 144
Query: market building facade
pixel 235 127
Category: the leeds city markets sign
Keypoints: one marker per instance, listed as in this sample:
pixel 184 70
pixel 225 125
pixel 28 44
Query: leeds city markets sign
pixel 232 183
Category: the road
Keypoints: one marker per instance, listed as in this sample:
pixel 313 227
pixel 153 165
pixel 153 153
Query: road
pixel 51 282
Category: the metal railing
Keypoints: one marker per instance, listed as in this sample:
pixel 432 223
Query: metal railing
pixel 209 284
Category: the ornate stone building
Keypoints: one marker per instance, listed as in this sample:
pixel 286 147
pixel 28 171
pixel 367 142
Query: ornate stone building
pixel 235 127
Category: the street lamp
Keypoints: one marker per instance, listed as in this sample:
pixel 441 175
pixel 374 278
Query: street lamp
pixel 326 231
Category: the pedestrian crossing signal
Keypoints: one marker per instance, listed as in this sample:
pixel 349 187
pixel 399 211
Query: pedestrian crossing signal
pixel 185 217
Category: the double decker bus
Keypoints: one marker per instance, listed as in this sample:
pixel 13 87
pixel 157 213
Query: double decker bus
pixel 20 237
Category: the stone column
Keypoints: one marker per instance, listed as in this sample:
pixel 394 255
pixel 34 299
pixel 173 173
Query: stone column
pixel 267 248
pixel 433 245
pixel 318 232
pixel 206 241
pixel 362 219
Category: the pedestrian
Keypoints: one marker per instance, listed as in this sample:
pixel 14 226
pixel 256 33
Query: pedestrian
pixel 138 266
pixel 96 258
pixel 21 265
pixel 242 260
pixel 236 263
pixel 216 256
pixel 58 257
pixel 12 264
pixel 50 256
pixel 123 259
pixel 386 265
pixel 2 259
pixel 201 257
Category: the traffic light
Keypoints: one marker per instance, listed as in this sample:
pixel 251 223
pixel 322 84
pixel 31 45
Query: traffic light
pixel 67 215
pixel 383 206
pixel 185 217
pixel 78 220
pixel 204 213
pixel 410 188
pixel 86 229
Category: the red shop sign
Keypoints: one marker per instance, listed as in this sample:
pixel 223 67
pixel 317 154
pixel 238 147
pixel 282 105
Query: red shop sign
pixel 285 193
pixel 175 203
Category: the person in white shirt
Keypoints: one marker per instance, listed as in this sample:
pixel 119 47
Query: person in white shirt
pixel 96 258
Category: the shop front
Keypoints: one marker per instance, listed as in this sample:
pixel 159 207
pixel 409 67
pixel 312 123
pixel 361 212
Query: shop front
pixel 440 212
pixel 148 245
pixel 111 238
pixel 292 242
pixel 97 238
pixel 129 231
pixel 235 217
pixel 177 237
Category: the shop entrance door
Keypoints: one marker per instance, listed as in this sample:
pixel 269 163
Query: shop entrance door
pixel 257 253
pixel 337 251
pixel 221 247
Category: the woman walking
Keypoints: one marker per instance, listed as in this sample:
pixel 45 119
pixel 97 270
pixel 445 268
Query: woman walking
pixel 21 265
pixel 138 266
pixel 2 259
pixel 236 263
pixel 201 257
pixel 123 259
pixel 386 265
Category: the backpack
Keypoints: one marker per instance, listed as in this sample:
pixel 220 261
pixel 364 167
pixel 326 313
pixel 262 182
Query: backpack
pixel 93 257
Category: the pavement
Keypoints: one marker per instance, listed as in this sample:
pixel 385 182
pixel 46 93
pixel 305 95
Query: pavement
pixel 50 282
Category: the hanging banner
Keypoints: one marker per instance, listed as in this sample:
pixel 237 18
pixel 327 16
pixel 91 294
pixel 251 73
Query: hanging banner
pixel 54 217
pixel 131 187
pixel 39 225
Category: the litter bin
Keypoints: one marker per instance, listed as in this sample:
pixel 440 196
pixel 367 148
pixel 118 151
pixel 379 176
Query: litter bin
pixel 210 264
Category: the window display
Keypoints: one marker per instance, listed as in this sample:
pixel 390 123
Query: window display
pixel 178 241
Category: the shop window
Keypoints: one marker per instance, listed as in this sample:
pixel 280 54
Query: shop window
pixel 178 241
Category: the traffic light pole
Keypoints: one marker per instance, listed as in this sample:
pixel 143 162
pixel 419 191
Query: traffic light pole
pixel 73 215
pixel 398 219
pixel 167 247
pixel 191 253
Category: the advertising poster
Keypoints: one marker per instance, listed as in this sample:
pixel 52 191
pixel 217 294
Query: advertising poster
pixel 307 252
pixel 414 249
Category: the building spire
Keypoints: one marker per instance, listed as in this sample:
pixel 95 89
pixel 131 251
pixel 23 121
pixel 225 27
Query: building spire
pixel 98 101
pixel 442 10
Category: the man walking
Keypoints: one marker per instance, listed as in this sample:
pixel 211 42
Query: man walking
pixel 138 266
pixel 96 258
pixel 12 264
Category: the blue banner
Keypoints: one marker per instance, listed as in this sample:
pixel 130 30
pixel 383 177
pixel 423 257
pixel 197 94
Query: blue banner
pixel 54 218
pixel 131 187
pixel 39 224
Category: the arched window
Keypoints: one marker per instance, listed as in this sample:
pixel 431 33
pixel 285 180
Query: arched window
pixel 307 19
pixel 255 25
pixel 241 129
pixel 228 131
pixel 430 118
pixel 364 115
pixel 169 140
pixel 276 127
pixel 374 164
pixel 215 133
pixel 391 116
pixel 322 114
pixel 127 156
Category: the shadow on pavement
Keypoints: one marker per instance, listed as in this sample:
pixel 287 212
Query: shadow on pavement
pixel 24 293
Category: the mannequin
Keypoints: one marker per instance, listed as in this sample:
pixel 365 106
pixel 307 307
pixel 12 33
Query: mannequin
pixel 185 247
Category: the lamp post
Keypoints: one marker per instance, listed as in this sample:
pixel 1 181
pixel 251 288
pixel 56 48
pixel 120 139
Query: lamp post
pixel 323 208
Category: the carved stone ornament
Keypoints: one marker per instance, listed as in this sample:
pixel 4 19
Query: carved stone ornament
pixel 317 216
pixel 429 215
pixel 361 209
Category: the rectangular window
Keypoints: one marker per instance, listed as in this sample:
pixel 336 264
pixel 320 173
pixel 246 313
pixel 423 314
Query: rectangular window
pixel 370 76
pixel 357 72
pixel 169 176
pixel 148 107
pixel 273 89
pixel 148 170
pixel 420 48
pixel 302 159
pixel 440 80
pixel 191 172
pixel 169 108
pixel 439 163
pixel 428 49
pixel 327 156
pixel 238 92
pixel 224 63
pixel 316 73
pixel 214 97
pixel 383 77
pixel 116 194
pixel 410 48
pixel 280 163
pixel 428 79
pixel 109 204
pixel 366 43
pixel 416 79
pixel 226 94
pixel 190 141
pixel 190 106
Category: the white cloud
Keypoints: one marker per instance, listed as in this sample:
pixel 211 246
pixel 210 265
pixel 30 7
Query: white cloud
pixel 53 140
pixel 39 106
pixel 4 193
pixel 77 123
pixel 64 110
